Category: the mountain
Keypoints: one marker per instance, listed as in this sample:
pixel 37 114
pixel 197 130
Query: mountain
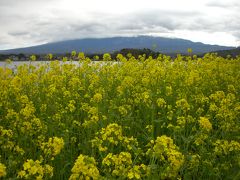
pixel 102 45
pixel 232 52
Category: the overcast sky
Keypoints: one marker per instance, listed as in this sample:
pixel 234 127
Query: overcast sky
pixel 31 22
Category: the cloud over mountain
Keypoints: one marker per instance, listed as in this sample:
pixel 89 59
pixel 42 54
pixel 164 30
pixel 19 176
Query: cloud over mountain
pixel 27 22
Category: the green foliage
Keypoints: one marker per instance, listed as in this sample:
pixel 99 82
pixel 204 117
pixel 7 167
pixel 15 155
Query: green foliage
pixel 138 118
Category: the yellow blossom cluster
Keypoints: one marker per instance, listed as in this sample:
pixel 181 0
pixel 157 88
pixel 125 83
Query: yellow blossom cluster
pixel 224 147
pixel 2 170
pixel 35 169
pixel 112 136
pixel 167 154
pixel 205 124
pixel 121 165
pixel 53 147
pixel 84 168
pixel 145 117
pixel 97 97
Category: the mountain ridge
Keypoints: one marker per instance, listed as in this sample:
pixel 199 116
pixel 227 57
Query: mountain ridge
pixel 112 44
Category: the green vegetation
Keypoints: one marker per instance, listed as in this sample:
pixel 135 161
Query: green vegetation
pixel 138 118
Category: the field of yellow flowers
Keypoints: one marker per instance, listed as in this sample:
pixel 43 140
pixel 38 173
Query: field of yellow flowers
pixel 139 118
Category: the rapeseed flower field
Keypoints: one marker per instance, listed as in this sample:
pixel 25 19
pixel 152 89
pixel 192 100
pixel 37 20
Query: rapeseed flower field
pixel 136 118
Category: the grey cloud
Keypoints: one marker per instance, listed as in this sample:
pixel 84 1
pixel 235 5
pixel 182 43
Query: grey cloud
pixel 9 3
pixel 34 27
pixel 224 4
pixel 145 22
pixel 190 21
pixel 160 20
pixel 136 23
pixel 237 35
pixel 18 33
pixel 87 27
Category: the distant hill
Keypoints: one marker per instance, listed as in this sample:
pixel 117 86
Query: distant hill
pixel 232 52
pixel 102 45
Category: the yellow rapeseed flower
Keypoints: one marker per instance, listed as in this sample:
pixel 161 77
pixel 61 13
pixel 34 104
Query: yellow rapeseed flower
pixel 53 147
pixel 205 124
pixel 85 168
pixel 97 97
pixel 2 170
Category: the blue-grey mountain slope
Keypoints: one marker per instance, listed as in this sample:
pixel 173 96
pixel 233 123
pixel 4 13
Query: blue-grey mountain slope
pixel 102 45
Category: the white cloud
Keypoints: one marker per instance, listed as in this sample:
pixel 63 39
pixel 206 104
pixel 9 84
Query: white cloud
pixel 31 22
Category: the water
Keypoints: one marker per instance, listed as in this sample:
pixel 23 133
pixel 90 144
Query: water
pixel 14 64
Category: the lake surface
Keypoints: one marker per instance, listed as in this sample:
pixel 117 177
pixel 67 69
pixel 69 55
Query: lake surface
pixel 14 64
